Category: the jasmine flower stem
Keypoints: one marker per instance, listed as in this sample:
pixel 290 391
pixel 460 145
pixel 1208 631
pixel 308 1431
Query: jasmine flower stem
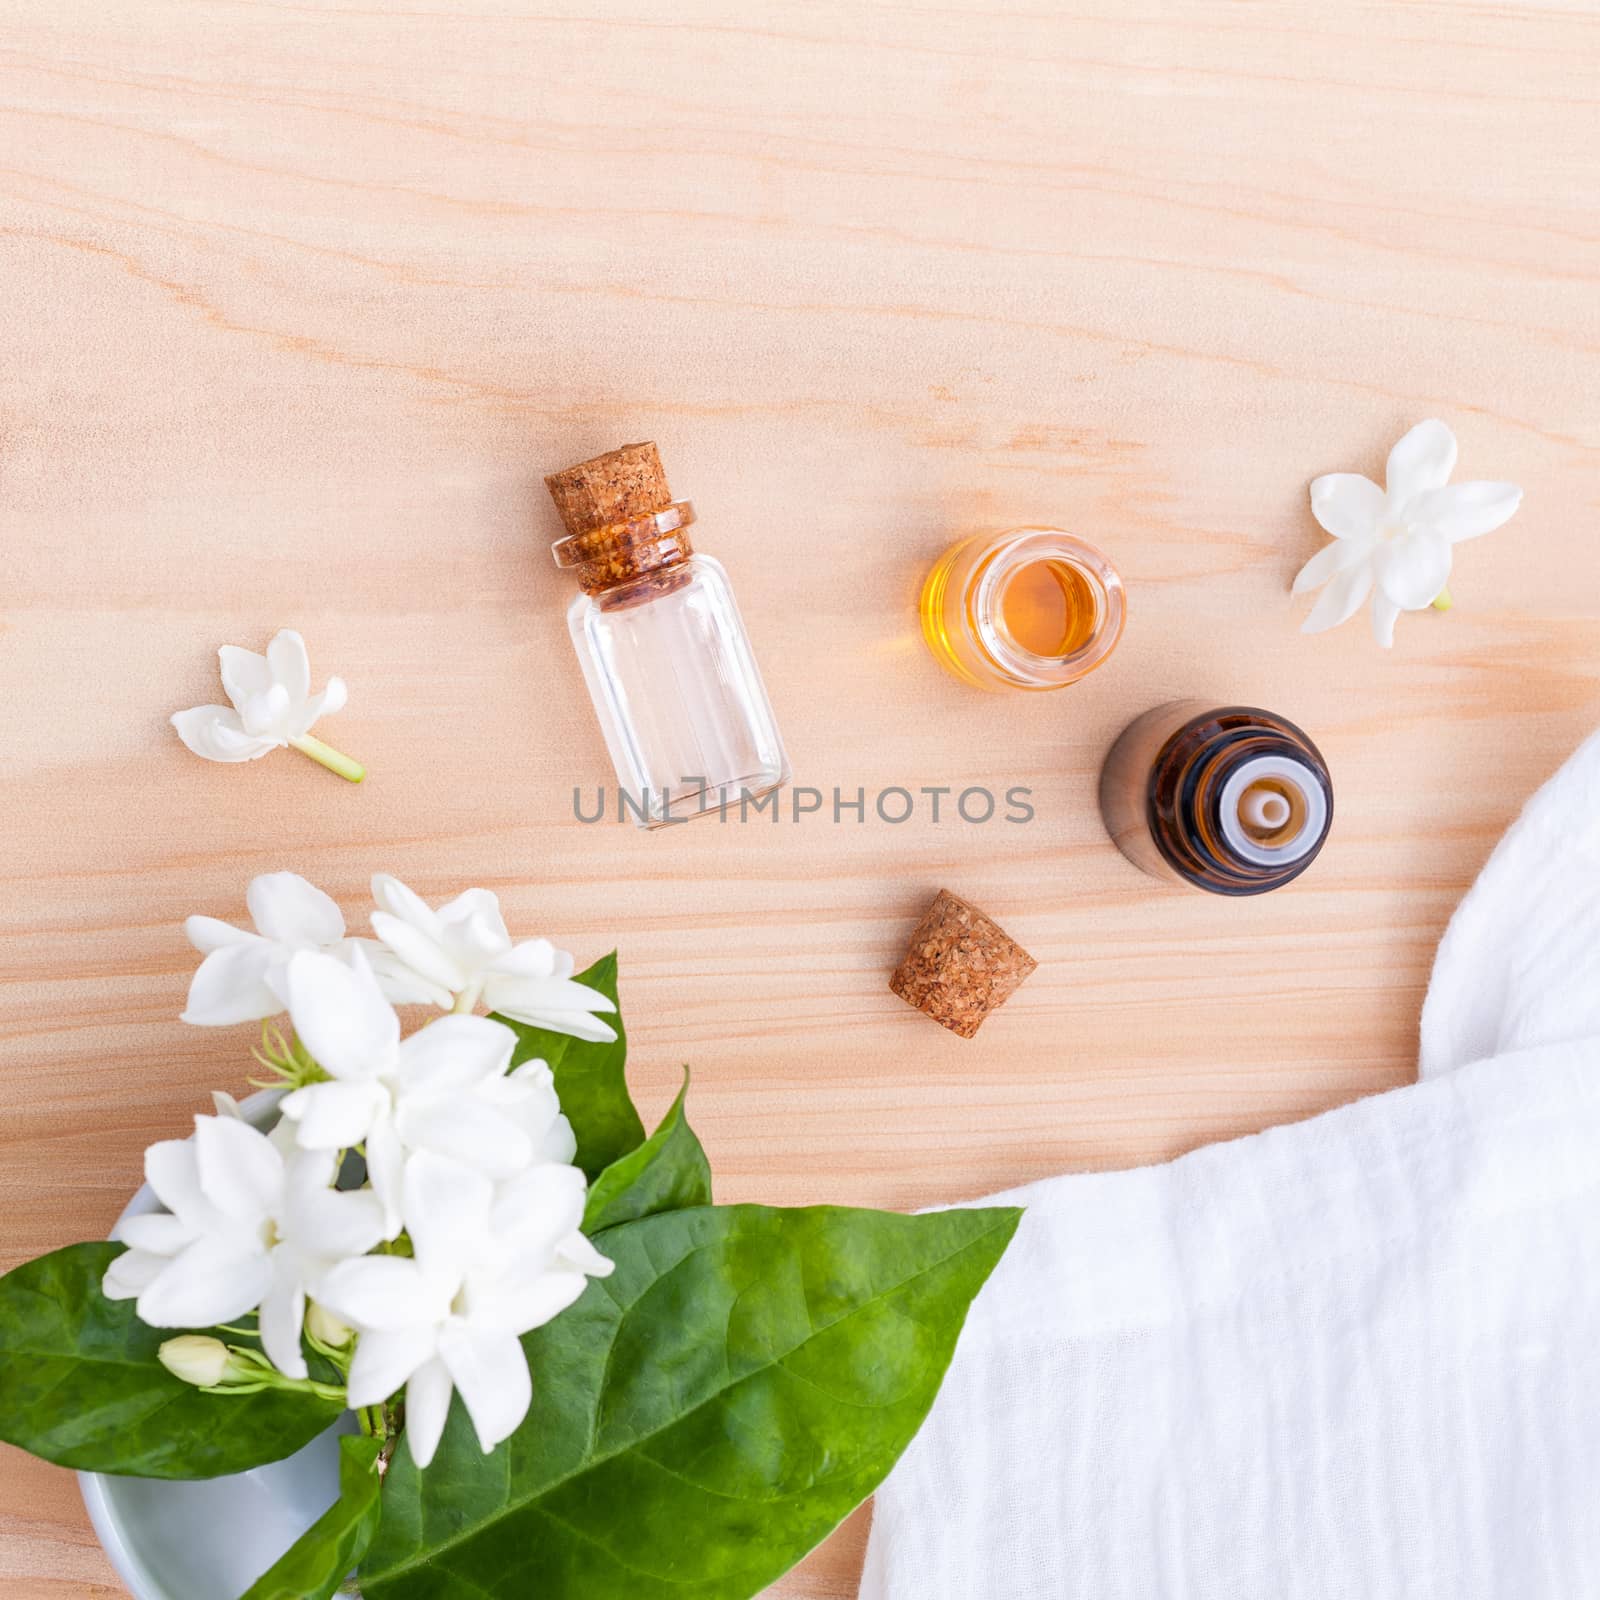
pixel 325 755
pixel 323 1391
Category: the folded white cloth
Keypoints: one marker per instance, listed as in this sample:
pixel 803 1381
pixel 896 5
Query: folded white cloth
pixel 1353 1359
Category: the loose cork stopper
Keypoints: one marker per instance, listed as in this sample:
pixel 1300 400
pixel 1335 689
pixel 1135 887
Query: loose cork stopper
pixel 959 966
pixel 616 487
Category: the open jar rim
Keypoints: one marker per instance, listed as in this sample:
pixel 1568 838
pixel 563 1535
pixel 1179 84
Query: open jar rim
pixel 1018 550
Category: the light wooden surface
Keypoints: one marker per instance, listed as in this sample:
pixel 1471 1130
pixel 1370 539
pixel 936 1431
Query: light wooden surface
pixel 298 301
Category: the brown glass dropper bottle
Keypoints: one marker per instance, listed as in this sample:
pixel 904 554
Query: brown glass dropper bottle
pixel 1230 799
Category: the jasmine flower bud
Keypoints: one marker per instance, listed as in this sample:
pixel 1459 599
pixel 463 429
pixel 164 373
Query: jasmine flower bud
pixel 199 1359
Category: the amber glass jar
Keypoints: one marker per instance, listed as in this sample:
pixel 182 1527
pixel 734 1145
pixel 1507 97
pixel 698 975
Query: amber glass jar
pixel 1230 799
pixel 1032 608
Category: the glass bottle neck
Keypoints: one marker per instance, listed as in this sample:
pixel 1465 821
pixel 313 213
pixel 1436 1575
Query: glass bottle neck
pixel 1272 810
pixel 615 554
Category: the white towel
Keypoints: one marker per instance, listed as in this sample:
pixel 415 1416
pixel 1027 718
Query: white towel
pixel 1353 1359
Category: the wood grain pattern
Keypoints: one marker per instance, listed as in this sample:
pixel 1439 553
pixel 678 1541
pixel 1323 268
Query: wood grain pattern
pixel 298 300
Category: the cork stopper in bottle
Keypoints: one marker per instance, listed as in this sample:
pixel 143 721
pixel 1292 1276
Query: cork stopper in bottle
pixel 616 487
pixel 622 522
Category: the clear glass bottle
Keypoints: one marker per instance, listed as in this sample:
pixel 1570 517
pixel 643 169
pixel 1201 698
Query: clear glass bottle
pixel 663 649
pixel 1031 608
pixel 1230 799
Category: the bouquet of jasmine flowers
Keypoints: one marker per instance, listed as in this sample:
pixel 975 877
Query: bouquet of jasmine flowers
pixel 572 1374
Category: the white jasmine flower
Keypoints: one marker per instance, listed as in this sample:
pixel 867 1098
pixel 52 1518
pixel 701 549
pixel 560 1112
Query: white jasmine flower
pixel 527 1097
pixel 281 1133
pixel 244 1230
pixel 241 978
pixel 1396 542
pixel 461 952
pixel 273 708
pixel 487 1268
pixel 394 1096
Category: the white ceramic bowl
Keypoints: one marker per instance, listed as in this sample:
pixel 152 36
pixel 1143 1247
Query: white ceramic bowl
pixel 212 1539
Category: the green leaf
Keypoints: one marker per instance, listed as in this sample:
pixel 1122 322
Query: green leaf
pixel 589 1078
pixel 318 1562
pixel 703 1417
pixel 668 1172
pixel 80 1384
